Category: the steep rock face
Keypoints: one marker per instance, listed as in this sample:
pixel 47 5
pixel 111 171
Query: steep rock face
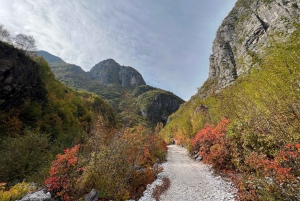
pixel 19 78
pixel 244 34
pixel 110 72
pixel 158 105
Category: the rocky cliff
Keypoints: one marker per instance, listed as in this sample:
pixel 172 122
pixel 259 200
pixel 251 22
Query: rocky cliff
pixel 19 78
pixel 157 105
pixel 110 72
pixel 243 36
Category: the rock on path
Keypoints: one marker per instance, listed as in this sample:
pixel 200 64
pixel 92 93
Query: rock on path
pixel 190 180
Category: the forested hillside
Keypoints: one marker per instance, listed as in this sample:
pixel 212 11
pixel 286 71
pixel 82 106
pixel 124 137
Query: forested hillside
pixel 39 113
pixel 250 130
pixel 67 140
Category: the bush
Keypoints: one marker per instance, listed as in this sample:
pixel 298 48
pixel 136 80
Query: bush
pixel 23 156
pixel 64 170
pixel 15 192
pixel 211 143
pixel 121 162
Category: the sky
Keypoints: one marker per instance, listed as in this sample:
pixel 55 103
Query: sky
pixel 167 41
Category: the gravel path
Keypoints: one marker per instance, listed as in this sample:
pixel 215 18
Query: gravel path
pixel 190 180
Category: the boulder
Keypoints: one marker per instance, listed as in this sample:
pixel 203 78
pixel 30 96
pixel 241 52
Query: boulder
pixel 199 158
pixel 92 196
pixel 41 195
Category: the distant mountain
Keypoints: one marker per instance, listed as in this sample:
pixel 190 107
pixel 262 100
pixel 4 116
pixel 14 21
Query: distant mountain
pixel 122 86
pixel 49 57
pixel 110 72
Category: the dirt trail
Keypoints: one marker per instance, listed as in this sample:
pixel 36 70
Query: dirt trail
pixel 192 180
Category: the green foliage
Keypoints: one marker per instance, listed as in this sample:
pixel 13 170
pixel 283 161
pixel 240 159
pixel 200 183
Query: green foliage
pixel 141 89
pixel 264 110
pixel 31 134
pixel 22 156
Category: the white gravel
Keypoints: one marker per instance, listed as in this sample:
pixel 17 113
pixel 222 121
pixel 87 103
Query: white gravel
pixel 190 180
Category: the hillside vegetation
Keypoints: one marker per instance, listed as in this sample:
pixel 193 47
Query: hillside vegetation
pixel 250 129
pixel 68 140
pixel 33 130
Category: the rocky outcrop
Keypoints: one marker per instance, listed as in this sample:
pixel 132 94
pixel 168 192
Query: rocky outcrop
pixel 110 72
pixel 245 33
pixel 92 196
pixel 158 105
pixel 41 195
pixel 19 78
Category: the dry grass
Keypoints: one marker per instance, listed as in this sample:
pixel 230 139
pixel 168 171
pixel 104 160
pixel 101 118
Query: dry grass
pixel 159 190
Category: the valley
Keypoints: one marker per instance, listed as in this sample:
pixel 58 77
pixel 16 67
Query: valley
pixel 105 134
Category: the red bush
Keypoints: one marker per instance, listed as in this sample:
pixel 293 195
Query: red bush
pixel 210 142
pixel 61 170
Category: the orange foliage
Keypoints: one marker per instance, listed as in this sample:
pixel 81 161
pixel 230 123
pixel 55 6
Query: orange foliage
pixel 281 168
pixel 210 142
pixel 61 170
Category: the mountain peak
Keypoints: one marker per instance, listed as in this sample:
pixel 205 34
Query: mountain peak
pixel 107 62
pixel 110 72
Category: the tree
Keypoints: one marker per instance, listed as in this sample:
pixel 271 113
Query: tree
pixel 25 43
pixel 4 34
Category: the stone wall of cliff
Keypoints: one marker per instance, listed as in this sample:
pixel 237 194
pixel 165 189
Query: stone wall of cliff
pixel 19 78
pixel 243 36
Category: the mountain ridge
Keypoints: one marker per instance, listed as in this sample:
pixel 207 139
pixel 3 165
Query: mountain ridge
pixel 122 86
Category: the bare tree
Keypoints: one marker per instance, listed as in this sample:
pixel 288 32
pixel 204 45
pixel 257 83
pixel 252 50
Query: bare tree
pixel 25 43
pixel 4 34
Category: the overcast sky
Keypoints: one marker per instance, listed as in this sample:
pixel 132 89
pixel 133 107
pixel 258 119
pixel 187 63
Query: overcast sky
pixel 167 41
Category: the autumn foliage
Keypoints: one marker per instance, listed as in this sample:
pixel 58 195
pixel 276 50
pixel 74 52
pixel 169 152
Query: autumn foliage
pixel 257 176
pixel 62 172
pixel 211 143
pixel 118 163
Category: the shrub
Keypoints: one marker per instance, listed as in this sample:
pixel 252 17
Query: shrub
pixel 121 164
pixel 15 192
pixel 211 143
pixel 63 171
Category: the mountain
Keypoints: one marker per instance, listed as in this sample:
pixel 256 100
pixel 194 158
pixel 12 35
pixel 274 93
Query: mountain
pixel 250 27
pixel 122 86
pixel 110 72
pixel 245 119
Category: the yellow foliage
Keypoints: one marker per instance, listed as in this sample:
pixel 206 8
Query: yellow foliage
pixel 15 192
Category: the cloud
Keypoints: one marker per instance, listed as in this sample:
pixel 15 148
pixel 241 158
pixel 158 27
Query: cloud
pixel 167 41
